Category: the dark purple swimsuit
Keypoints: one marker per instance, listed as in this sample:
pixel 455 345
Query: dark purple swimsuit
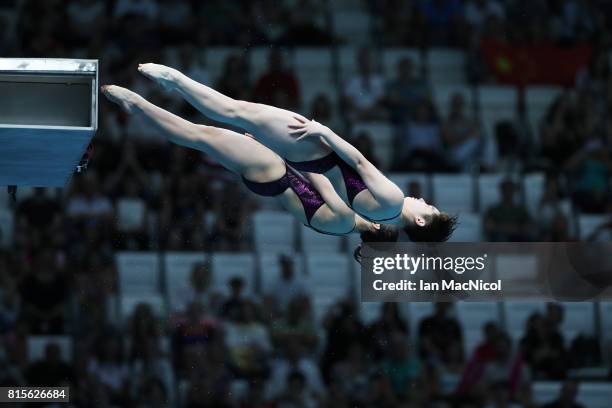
pixel 310 198
pixel 352 180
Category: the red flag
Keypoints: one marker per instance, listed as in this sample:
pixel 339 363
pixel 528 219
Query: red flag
pixel 534 64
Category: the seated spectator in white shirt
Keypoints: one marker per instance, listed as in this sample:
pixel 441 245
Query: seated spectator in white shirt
pixel 288 286
pixel 461 135
pixel 141 8
pixel 365 91
pixel 197 289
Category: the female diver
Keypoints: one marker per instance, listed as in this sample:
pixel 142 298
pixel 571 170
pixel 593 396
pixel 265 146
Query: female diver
pixel 309 146
pixel 314 201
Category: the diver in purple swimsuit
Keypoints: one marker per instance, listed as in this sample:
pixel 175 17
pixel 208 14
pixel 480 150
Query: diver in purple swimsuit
pixel 313 148
pixel 311 200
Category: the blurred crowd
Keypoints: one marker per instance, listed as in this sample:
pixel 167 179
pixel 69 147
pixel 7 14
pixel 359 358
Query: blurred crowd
pixel 141 193
pixel 229 349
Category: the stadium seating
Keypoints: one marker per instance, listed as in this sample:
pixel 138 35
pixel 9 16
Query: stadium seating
pixel 352 25
pixel 314 242
pixel 446 66
pixel 591 395
pixel 138 272
pixel 226 266
pixel 453 193
pixel 177 271
pixel 328 272
pixel 269 271
pixel 130 213
pixel 274 231
pixel 36 346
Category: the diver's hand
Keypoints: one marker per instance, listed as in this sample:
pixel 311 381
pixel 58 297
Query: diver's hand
pixel 306 128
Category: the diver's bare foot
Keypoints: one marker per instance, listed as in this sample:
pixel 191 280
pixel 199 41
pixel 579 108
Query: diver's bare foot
pixel 163 75
pixel 121 96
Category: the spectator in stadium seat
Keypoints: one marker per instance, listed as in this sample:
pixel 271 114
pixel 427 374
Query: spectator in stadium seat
pixel 44 293
pixel 143 327
pixel 192 336
pixel 461 135
pixel 233 211
pixel 295 325
pixel 343 328
pixel 380 391
pixel 39 211
pixel 234 81
pixel 278 79
pixel 324 111
pixel 446 376
pixel 248 342
pixel 152 393
pixel 109 366
pixel 51 370
pixel 353 374
pixel 364 92
pixel 420 142
pixel 591 172
pixel 363 142
pixel 192 63
pixel 296 394
pixel 508 220
pixel 405 92
pixel 506 375
pixel 197 289
pixel 438 331
pixel 233 304
pixel 561 131
pixel 544 349
pixel 389 322
pixel 404 370
pixel 567 396
pixel 289 284
pixel 295 359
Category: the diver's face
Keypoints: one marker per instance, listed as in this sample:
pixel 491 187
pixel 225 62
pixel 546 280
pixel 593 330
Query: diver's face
pixel 418 211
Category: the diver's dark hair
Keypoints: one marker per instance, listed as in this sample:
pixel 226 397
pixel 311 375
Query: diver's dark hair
pixel 386 233
pixel 439 228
